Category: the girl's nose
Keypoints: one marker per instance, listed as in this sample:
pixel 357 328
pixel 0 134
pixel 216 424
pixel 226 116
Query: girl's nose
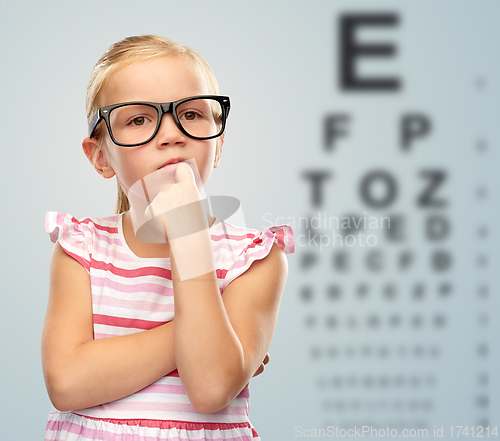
pixel 169 133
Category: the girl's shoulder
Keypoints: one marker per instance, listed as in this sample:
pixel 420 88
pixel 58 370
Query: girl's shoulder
pixel 61 219
pixel 230 234
pixel 77 236
pixel 237 247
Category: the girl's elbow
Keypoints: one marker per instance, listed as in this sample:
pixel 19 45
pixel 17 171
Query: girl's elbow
pixel 209 404
pixel 60 404
pixel 213 391
pixel 204 407
pixel 210 399
pixel 215 399
pixel 58 399
pixel 206 402
pixel 60 394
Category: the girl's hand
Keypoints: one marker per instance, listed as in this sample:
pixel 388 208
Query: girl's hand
pixel 175 209
pixel 178 212
pixel 259 371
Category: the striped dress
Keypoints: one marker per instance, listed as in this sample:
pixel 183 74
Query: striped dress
pixel 132 294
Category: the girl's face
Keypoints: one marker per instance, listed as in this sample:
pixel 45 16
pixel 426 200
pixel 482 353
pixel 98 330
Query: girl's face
pixel 159 79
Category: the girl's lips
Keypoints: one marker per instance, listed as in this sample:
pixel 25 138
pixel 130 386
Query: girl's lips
pixel 175 164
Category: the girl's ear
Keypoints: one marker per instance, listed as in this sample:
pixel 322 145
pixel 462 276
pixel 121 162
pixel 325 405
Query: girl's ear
pixel 96 156
pixel 218 149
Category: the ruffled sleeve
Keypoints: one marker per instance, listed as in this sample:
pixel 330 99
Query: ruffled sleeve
pixel 257 246
pixel 74 236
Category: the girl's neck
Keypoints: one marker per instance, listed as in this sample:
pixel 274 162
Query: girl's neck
pixel 143 249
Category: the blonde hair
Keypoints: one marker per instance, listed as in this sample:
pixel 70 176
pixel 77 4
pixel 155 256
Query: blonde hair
pixel 121 54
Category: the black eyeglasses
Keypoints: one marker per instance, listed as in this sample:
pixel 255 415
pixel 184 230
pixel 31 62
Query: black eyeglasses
pixel 136 123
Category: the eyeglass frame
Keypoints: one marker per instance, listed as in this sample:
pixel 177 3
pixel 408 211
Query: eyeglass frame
pixel 161 108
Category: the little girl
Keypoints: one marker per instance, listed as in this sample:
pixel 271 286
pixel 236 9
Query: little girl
pixel 114 367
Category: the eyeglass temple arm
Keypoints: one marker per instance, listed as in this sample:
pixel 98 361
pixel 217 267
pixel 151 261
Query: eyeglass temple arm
pixel 93 123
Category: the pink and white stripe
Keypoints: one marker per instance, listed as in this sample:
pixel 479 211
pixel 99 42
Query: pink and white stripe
pixel 133 294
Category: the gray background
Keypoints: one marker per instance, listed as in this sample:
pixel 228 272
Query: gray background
pixel 278 63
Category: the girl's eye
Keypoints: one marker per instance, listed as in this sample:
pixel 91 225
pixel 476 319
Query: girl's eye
pixel 138 121
pixel 190 116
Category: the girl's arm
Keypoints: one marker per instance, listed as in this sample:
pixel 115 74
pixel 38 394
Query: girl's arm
pixel 220 341
pixel 81 372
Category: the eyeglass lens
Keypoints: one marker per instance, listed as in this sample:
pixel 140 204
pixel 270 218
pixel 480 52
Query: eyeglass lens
pixel 136 123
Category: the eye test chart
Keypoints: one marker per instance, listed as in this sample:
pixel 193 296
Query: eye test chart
pixel 396 276
pixel 370 127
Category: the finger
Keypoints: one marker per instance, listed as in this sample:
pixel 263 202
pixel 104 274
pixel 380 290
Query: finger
pixel 259 371
pixel 266 358
pixel 153 209
pixel 183 173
